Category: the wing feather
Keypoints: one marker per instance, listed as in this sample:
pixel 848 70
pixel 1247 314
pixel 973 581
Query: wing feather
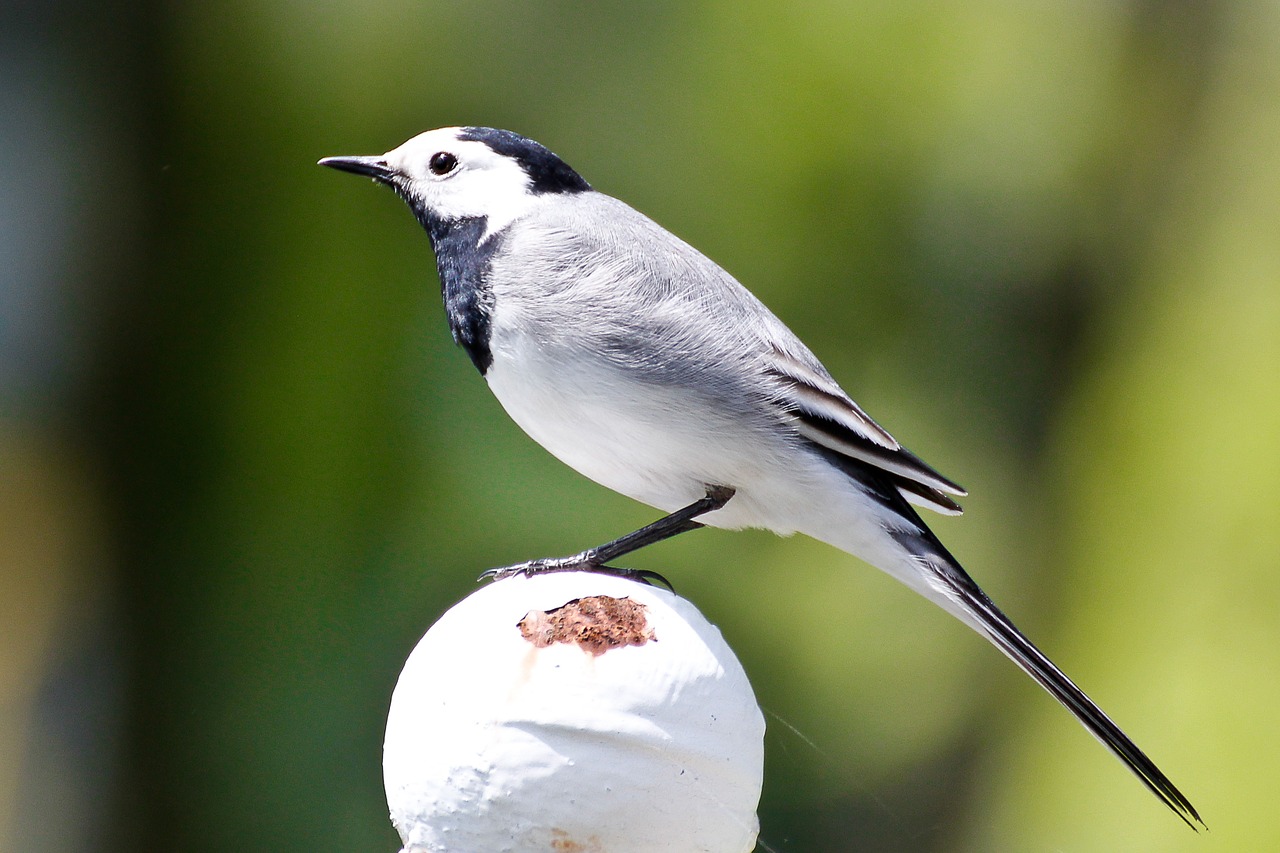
pixel 825 415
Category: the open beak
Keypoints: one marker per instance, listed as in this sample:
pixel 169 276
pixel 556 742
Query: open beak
pixel 373 167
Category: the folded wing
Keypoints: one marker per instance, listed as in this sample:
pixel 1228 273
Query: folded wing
pixel 825 415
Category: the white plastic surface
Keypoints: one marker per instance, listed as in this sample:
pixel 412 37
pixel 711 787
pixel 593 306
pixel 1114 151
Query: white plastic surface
pixel 496 744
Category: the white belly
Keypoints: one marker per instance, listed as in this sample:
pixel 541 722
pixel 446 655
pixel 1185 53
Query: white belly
pixel 643 447
pixel 656 444
pixel 662 446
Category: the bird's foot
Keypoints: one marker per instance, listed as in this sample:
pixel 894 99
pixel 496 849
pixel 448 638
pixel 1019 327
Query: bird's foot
pixel 597 559
pixel 586 561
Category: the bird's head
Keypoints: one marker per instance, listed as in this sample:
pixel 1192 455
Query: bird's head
pixel 464 173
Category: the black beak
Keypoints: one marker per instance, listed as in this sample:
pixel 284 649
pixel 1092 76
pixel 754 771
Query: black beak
pixel 373 167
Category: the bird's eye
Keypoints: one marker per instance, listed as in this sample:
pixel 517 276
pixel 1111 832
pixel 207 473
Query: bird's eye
pixel 442 163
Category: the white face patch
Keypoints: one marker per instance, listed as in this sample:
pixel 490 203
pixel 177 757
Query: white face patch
pixel 483 183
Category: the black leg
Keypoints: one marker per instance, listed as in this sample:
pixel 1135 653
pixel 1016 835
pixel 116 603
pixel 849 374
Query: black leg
pixel 595 559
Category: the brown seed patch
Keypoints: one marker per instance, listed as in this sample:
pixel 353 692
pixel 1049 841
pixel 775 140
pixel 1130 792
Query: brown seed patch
pixel 596 624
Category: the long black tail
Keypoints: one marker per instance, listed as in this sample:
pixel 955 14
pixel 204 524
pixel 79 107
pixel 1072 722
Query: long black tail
pixel 949 585
pixel 1006 637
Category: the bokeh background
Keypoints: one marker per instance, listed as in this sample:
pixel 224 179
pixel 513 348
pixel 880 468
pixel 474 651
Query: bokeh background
pixel 242 466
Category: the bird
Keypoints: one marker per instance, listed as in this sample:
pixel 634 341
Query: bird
pixel 642 364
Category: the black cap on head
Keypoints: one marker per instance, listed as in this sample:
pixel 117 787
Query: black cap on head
pixel 547 172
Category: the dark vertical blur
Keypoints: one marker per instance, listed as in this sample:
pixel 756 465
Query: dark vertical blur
pixel 75 123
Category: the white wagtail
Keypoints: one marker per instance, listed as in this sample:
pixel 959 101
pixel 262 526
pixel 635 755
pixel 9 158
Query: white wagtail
pixel 639 362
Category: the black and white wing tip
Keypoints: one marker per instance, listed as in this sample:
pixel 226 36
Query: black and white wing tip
pixel 825 415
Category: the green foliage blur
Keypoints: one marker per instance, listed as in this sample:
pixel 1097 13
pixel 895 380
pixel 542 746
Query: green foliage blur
pixel 1039 242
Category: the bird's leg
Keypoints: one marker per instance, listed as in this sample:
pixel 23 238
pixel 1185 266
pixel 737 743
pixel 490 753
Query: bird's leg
pixel 596 559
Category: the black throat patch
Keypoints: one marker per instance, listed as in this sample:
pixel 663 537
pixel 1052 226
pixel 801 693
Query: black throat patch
pixel 464 259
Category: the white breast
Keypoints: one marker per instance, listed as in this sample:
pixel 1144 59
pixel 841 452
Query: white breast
pixel 638 441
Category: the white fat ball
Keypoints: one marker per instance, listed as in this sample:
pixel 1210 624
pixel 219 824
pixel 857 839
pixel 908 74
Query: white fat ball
pixel 574 711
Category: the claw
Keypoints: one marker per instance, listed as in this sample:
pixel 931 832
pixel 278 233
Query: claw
pixel 574 564
pixel 596 559
pixel 585 561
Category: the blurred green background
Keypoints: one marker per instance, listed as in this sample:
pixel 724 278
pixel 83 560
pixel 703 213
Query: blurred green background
pixel 243 468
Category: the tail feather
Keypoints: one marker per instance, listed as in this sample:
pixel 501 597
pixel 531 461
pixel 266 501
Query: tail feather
pixel 937 575
pixel 1006 637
